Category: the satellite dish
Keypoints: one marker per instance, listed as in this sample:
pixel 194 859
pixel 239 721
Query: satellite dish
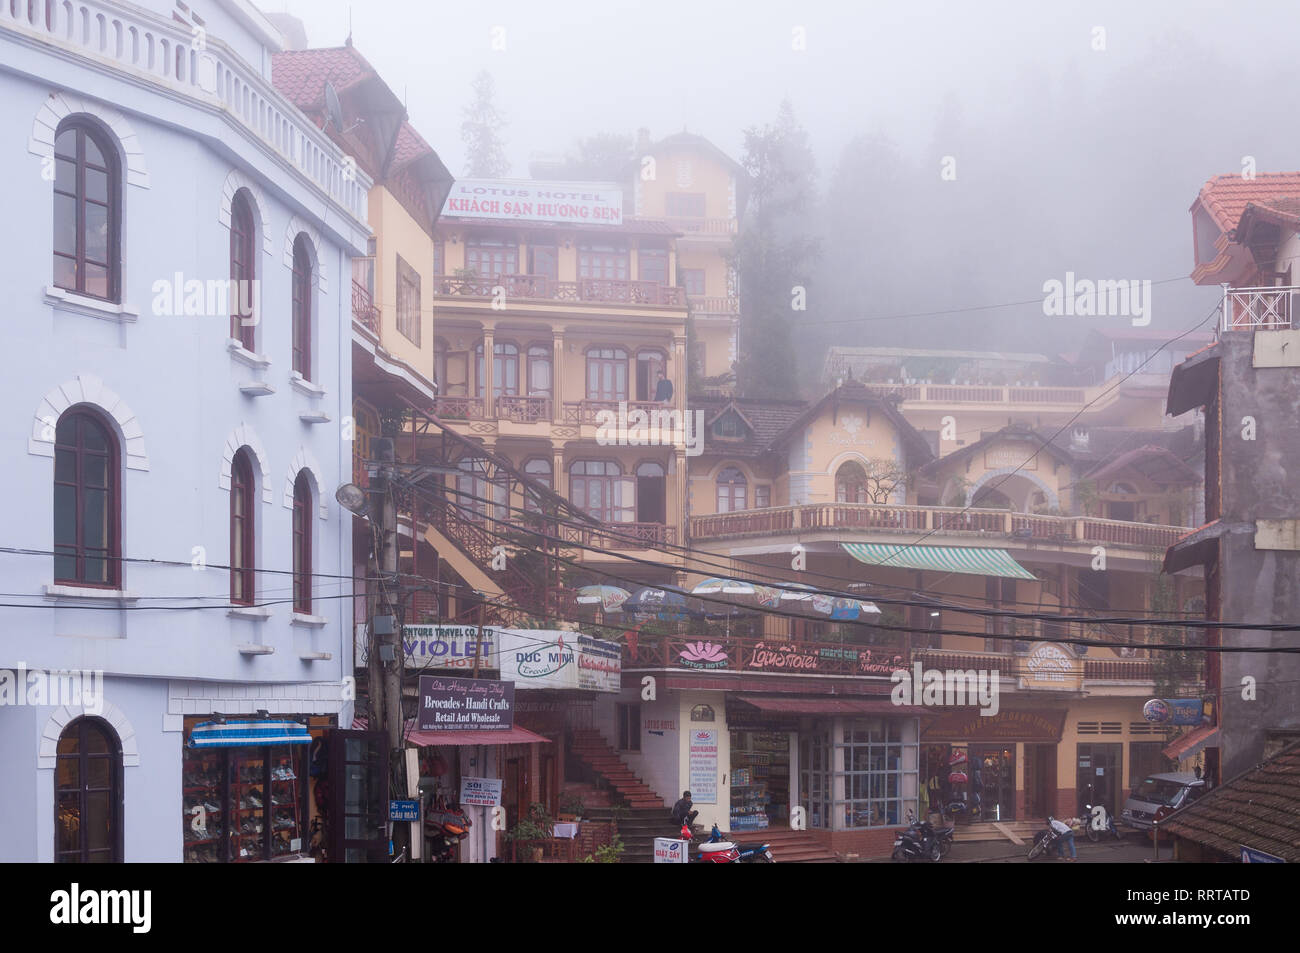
pixel 333 107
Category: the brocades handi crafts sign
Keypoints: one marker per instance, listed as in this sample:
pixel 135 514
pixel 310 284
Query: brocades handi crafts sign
pixel 465 704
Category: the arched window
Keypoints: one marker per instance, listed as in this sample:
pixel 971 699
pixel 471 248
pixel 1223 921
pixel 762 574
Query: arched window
pixel 599 488
pixel 606 373
pixel 302 544
pixel 650 364
pixel 851 484
pixel 302 282
pixel 651 493
pixel 538 469
pixel 88 794
pixel 243 270
pixel 243 569
pixel 477 496
pixel 87 523
pixel 539 370
pixel 87 212
pixel 732 487
pixel 505 369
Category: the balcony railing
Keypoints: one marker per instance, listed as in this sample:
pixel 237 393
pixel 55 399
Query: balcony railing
pixel 939 520
pixel 459 408
pixel 541 288
pixel 588 411
pixel 704 304
pixel 364 311
pixel 982 393
pixel 1259 309
pixel 703 226
pixel 621 536
pixel 149 48
pixel 728 652
pixel 524 410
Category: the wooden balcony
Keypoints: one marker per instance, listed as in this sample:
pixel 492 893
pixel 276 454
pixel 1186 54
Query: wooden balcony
pixel 720 227
pixel 946 394
pixel 588 411
pixel 364 311
pixel 524 410
pixel 707 305
pixel 460 408
pixel 621 536
pixel 722 651
pixel 941 521
pixel 542 288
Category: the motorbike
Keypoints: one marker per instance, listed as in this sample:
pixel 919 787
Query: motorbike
pixel 1045 841
pixel 921 841
pixel 1092 817
pixel 752 853
pixel 445 827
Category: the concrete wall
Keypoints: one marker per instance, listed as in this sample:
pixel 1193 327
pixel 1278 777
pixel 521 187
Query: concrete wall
pixel 1259 482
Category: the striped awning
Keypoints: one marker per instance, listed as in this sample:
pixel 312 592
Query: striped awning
pixel 964 559
pixel 235 734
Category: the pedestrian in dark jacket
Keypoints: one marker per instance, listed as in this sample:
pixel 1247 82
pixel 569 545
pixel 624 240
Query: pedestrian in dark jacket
pixel 682 813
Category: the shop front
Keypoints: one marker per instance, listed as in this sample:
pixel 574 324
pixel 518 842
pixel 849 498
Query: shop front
pixel 247 788
pixel 983 768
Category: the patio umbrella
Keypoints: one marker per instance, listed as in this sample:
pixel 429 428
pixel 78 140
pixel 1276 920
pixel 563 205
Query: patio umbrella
pixel 730 587
pixel 799 592
pixel 850 610
pixel 668 605
pixel 609 598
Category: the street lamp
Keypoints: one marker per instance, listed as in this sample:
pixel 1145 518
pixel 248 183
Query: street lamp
pixel 353 499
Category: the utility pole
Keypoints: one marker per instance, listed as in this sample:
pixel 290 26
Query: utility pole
pixel 385 653
pixel 478 638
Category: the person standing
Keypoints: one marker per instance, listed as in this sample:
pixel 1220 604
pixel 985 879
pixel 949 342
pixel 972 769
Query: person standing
pixel 663 390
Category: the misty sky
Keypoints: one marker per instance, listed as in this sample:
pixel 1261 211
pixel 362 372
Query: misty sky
pixel 1068 158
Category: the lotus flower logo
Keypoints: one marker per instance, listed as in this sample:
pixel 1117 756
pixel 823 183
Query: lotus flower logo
pixel 703 655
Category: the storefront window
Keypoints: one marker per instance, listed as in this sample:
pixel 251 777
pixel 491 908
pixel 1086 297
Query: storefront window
pixel 244 803
pixel 879 772
pixel 815 776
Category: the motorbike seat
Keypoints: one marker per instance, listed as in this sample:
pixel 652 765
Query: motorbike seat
pixel 716 846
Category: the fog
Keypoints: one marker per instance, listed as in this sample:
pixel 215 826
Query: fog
pixel 1079 134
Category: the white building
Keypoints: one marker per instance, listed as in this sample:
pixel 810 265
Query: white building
pixel 152 442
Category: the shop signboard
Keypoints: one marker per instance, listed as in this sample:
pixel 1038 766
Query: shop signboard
pixel 702 655
pixel 600 664
pixel 1051 667
pixel 525 200
pixel 669 850
pixel 480 792
pixel 702 761
pixel 1007 725
pixel 1174 711
pixel 465 704
pixel 552 658
pixel 449 646
pixel 1251 856
pixel 404 810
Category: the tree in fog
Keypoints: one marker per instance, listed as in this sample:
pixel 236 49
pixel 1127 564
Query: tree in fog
pixel 604 157
pixel 773 253
pixel 480 130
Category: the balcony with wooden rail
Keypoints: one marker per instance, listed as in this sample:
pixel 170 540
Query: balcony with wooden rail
pixel 935 521
pixel 364 311
pixel 606 291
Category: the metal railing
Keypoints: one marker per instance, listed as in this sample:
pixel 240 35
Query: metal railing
pixel 939 520
pixel 1258 309
pixel 540 287
pixel 364 311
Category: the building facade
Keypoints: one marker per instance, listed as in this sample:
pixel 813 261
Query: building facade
pixel 183 290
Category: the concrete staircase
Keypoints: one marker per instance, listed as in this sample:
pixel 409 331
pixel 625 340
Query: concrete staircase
pixel 595 752
pixel 637 828
pixel 788 847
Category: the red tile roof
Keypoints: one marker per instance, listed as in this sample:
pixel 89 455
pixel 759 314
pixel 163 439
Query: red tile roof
pixel 1225 197
pixel 301 75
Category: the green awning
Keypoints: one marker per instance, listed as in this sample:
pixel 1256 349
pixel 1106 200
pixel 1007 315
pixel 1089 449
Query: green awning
pixel 967 559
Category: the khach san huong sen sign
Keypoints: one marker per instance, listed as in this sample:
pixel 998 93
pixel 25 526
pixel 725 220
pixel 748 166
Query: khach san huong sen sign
pixel 577 203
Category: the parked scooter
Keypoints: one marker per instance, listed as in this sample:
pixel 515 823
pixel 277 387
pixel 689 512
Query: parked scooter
pixel 1098 821
pixel 944 834
pixel 1045 840
pixel 921 841
pixel 752 853
pixel 445 827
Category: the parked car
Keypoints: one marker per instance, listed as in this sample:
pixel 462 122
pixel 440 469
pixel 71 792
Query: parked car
pixel 1158 796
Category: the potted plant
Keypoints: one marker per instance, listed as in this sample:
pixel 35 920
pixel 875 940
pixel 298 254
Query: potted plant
pixel 571 807
pixel 535 826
